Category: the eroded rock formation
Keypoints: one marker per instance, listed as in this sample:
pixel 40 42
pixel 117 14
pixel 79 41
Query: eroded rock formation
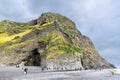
pixel 52 42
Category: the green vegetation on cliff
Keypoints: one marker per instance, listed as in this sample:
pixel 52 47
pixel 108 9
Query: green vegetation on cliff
pixel 13 32
pixel 50 37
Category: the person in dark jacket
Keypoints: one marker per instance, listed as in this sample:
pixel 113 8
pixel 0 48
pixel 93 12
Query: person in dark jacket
pixel 25 70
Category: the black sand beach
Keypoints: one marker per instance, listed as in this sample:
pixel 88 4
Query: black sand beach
pixel 35 73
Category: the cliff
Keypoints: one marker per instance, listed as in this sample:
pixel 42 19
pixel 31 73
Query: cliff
pixel 52 41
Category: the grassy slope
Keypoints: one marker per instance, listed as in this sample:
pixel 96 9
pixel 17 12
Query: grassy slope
pixel 61 46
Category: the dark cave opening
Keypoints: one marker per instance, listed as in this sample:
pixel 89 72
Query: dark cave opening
pixel 34 59
pixel 82 62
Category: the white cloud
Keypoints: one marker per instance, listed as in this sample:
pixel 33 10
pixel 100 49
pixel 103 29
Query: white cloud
pixel 112 55
pixel 22 6
pixel 17 10
pixel 110 51
pixel 2 18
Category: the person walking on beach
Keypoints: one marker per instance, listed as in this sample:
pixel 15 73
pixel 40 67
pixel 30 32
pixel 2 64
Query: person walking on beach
pixel 112 71
pixel 25 70
pixel 42 68
pixel 17 66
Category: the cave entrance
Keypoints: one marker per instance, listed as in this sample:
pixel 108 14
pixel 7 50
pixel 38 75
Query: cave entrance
pixel 81 61
pixel 34 59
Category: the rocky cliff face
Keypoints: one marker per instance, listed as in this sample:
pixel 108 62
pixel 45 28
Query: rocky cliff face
pixel 51 41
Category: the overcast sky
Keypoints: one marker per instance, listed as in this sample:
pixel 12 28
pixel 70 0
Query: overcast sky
pixel 97 19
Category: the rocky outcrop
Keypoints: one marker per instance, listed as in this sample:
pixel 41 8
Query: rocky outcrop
pixel 51 42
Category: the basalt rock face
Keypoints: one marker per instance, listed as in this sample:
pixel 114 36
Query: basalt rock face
pixel 51 42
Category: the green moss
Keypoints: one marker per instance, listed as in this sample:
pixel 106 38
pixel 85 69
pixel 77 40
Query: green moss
pixel 68 30
pixel 43 26
pixel 47 24
pixel 12 28
pixel 71 33
pixel 52 51
pixel 54 37
pixel 4 37
pixel 56 50
pixel 69 49
pixel 61 46
pixel 45 40
pixel 15 45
